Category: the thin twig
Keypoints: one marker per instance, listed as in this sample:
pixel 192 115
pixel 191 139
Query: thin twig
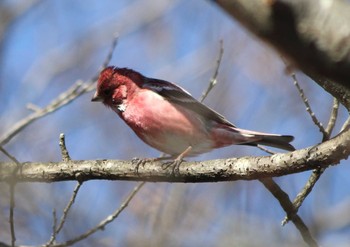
pixel 12 207
pixel 54 227
pixel 104 222
pixel 10 156
pixel 345 125
pixel 265 149
pixel 110 53
pixel 77 89
pixel 307 105
pixel 299 199
pixel 325 133
pixel 213 80
pixel 64 151
pixel 68 207
pixel 33 107
pixel 12 184
pixel 317 173
pixel 288 207
pixel 57 229
pixel 332 119
pixel 64 215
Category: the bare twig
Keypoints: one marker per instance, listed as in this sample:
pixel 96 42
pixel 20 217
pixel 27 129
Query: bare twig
pixel 213 80
pixel 33 107
pixel 76 90
pixel 68 207
pixel 265 149
pixel 12 207
pixel 316 174
pixel 104 222
pixel 345 125
pixel 299 199
pixel 12 184
pixel 10 156
pixel 64 151
pixel 64 215
pixel 54 227
pixel 57 229
pixel 307 105
pixel 110 53
pixel 288 207
pixel 332 120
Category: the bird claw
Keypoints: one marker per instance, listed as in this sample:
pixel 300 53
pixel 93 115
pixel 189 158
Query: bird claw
pixel 175 164
pixel 137 162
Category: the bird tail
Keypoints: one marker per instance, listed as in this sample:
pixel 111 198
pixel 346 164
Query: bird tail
pixel 276 141
pixel 260 138
pixel 229 135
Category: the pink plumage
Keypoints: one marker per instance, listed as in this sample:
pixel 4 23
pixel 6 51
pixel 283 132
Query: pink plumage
pixel 168 118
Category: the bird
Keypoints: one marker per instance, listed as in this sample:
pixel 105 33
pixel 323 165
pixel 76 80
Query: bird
pixel 168 118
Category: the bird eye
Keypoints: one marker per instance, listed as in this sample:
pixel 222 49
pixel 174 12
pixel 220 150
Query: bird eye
pixel 107 92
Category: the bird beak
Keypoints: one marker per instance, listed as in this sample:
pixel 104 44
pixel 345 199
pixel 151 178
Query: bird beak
pixel 96 98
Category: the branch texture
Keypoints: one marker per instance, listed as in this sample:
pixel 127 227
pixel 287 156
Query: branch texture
pixel 246 168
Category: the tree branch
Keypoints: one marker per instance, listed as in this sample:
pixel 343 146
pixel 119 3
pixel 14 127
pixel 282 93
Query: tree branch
pixel 289 208
pixel 77 89
pixel 246 168
pixel 306 31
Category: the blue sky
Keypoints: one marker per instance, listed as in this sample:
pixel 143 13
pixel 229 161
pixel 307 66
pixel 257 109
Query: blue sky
pixel 58 42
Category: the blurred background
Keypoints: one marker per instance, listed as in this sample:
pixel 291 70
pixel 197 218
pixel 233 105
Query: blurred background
pixel 46 46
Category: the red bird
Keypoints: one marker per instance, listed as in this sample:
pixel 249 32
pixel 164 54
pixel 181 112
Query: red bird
pixel 168 118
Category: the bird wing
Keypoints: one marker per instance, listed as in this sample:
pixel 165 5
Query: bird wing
pixel 180 96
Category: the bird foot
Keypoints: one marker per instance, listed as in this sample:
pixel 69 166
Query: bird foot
pixel 138 162
pixel 175 164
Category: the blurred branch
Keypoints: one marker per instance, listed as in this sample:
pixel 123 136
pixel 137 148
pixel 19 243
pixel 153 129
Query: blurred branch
pixel 289 208
pixel 12 184
pixel 214 80
pixel 104 222
pixel 332 119
pixel 63 99
pixel 12 207
pixel 245 168
pixel 76 90
pixel 346 124
pixel 312 34
pixel 12 13
pixel 3 150
pixel 299 199
pixel 56 230
pixel 100 226
pixel 317 173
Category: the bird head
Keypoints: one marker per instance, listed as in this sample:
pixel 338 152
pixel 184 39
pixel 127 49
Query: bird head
pixel 114 85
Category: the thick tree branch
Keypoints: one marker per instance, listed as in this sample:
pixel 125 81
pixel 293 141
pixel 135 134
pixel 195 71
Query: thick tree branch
pixel 313 34
pixel 246 168
pixel 289 208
